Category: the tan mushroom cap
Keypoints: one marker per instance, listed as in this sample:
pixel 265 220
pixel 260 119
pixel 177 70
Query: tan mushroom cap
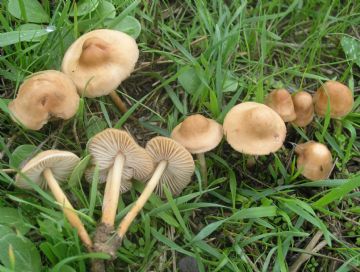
pixel 304 108
pixel 106 145
pixel 280 101
pixel 100 60
pixel 340 96
pixel 253 128
pixel 60 162
pixel 198 134
pixel 180 164
pixel 44 95
pixel 314 159
pixel 126 183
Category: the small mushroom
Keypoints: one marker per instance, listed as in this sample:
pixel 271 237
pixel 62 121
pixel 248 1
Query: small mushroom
pixel 99 61
pixel 198 134
pixel 304 108
pixel 340 98
pixel 117 150
pixel 47 169
pixel 253 128
pixel 174 169
pixel 280 101
pixel 44 95
pixel 314 159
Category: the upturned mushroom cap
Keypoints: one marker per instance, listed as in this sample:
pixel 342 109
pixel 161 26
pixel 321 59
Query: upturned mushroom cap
pixel 180 164
pixel 198 134
pixel 280 101
pixel 107 173
pixel 60 162
pixel 100 60
pixel 253 128
pixel 340 97
pixel 314 159
pixel 106 145
pixel 304 108
pixel 44 95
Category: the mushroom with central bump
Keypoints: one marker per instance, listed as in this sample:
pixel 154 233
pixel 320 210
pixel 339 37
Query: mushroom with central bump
pixel 99 61
pixel 338 95
pixel 314 160
pixel 47 169
pixel 253 128
pixel 117 150
pixel 44 95
pixel 198 134
pixel 174 169
pixel 280 101
pixel 304 108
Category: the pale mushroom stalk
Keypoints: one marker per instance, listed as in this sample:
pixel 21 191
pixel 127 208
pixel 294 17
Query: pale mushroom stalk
pixel 140 202
pixel 203 168
pixel 68 209
pixel 111 196
pixel 118 102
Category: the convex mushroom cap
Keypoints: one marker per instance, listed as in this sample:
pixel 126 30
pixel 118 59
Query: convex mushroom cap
pixel 340 97
pixel 253 128
pixel 61 163
pixel 100 60
pixel 314 159
pixel 304 108
pixel 280 101
pixel 105 146
pixel 44 95
pixel 198 134
pixel 180 164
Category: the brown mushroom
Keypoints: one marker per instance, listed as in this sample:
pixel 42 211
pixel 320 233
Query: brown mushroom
pixel 314 160
pixel 253 128
pixel 47 169
pixel 174 169
pixel 99 61
pixel 340 99
pixel 198 134
pixel 116 149
pixel 280 101
pixel 44 95
pixel 304 108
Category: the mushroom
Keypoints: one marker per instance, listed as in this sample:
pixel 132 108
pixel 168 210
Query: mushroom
pixel 340 98
pixel 174 169
pixel 47 169
pixel 253 128
pixel 304 108
pixel 280 101
pixel 314 160
pixel 44 95
pixel 198 135
pixel 99 61
pixel 117 150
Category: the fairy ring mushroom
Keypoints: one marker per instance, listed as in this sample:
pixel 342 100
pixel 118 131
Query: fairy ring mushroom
pixel 254 129
pixel 280 101
pixel 99 61
pixel 198 135
pixel 49 169
pixel 304 108
pixel 44 95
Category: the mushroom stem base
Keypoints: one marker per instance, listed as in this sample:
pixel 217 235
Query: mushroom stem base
pixel 118 102
pixel 203 168
pixel 68 209
pixel 140 202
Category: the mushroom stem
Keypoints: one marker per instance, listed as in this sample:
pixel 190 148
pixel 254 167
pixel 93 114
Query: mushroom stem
pixel 68 209
pixel 118 102
pixel 203 168
pixel 140 202
pixel 112 192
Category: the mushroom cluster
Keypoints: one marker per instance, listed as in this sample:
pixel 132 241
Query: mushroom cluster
pixel 95 65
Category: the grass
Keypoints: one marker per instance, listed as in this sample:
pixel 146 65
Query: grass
pixel 196 56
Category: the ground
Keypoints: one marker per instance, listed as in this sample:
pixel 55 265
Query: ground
pixel 195 57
